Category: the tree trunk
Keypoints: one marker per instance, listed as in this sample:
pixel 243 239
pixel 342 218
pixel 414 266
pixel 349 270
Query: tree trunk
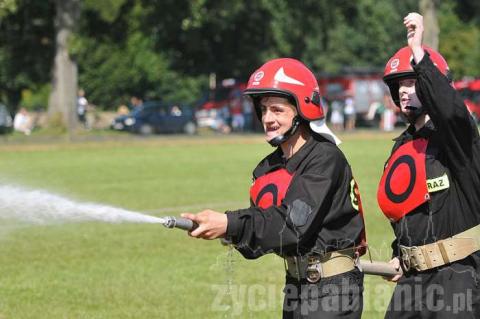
pixel 430 21
pixel 62 100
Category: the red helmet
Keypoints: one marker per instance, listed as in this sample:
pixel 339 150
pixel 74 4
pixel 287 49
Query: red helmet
pixel 399 67
pixel 290 78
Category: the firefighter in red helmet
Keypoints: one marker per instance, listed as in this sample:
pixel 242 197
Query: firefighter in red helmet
pixel 305 205
pixel 430 188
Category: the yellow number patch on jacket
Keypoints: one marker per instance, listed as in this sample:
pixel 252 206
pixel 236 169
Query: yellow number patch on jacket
pixel 437 184
pixel 354 194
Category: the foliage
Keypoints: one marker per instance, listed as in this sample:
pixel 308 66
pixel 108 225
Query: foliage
pixel 460 43
pixel 126 61
pixel 26 48
pixel 107 9
pixel 165 49
pixel 336 35
pixel 7 6
pixel 37 98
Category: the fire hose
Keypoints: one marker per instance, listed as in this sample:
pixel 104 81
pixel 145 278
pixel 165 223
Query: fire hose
pixel 377 268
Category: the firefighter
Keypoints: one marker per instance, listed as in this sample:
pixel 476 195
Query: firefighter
pixel 305 205
pixel 430 188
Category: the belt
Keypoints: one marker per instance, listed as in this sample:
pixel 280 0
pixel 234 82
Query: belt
pixel 442 252
pixel 314 267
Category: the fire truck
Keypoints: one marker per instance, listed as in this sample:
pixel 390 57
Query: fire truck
pixel 365 87
pixel 213 110
pixel 469 89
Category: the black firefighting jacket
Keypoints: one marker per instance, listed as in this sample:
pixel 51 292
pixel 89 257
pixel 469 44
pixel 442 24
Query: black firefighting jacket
pixel 318 213
pixel 453 150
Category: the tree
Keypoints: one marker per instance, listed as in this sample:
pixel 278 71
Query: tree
pixel 131 53
pixel 428 8
pixel 7 7
pixel 165 49
pixel 332 35
pixel 62 101
pixel 459 40
pixel 26 47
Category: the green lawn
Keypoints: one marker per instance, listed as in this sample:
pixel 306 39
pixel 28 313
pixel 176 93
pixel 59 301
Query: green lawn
pixel 95 270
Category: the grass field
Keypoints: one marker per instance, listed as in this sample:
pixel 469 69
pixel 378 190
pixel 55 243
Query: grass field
pixel 96 270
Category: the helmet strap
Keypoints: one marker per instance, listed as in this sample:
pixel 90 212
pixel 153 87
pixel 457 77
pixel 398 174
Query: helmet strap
pixel 280 139
pixel 414 115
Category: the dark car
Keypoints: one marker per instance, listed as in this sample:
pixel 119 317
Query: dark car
pixel 5 120
pixel 157 117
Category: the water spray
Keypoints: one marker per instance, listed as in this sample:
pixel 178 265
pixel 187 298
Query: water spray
pixel 42 207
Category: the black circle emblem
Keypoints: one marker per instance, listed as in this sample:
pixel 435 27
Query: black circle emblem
pixel 270 188
pixel 399 198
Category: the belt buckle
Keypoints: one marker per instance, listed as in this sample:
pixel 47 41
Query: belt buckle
pixel 406 256
pixel 314 269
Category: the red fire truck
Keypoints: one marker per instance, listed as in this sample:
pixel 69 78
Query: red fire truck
pixel 470 91
pixel 365 87
pixel 213 111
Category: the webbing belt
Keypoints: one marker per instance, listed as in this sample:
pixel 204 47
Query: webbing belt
pixel 442 252
pixel 314 267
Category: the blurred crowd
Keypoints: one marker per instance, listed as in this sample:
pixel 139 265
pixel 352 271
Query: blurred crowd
pixel 234 114
pixel 342 113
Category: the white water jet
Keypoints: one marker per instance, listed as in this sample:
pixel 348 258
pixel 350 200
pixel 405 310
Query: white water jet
pixel 42 207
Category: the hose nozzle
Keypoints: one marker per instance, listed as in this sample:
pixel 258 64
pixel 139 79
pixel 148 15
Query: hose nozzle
pixel 182 223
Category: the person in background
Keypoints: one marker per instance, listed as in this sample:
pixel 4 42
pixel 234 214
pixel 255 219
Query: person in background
pixel 175 111
pixel 23 122
pixel 305 205
pixel 135 102
pixel 238 120
pixel 388 118
pixel 123 110
pixel 375 109
pixel 82 106
pixel 247 109
pixel 337 117
pixel 350 112
pixel 430 188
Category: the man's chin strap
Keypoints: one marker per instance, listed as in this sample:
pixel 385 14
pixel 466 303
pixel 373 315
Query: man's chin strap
pixel 278 140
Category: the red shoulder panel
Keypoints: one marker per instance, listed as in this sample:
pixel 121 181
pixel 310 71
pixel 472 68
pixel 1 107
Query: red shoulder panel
pixel 403 185
pixel 270 189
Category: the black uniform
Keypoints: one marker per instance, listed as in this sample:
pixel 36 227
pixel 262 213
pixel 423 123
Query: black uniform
pixel 306 204
pixel 453 177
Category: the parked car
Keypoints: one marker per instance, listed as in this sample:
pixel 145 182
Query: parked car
pixel 6 122
pixel 157 117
